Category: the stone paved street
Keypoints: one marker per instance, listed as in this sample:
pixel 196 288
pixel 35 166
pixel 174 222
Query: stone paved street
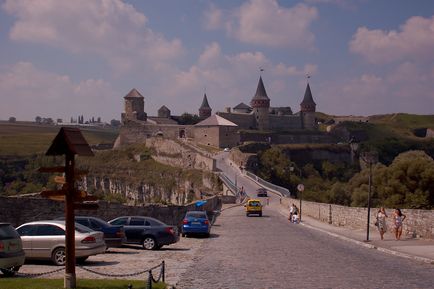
pixel 269 252
pixel 130 259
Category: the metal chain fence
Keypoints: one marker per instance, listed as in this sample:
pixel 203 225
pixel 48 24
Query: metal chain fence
pixel 150 280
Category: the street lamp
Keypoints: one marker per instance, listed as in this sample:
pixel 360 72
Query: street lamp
pixel 369 158
pixel 300 187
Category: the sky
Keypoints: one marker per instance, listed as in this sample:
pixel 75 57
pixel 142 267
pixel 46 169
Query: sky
pixel 61 58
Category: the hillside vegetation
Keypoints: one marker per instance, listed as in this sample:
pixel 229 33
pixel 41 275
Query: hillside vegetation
pixel 26 138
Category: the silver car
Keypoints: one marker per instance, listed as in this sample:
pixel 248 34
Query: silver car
pixel 45 240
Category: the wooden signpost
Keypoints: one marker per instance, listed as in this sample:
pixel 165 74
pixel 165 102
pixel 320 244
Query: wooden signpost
pixel 69 142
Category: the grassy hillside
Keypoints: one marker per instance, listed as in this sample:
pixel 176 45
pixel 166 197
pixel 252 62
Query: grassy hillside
pixel 26 138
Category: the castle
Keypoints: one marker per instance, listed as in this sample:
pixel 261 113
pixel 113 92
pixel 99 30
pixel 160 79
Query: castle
pixel 223 129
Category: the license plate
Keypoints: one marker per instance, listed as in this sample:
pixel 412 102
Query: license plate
pixel 195 223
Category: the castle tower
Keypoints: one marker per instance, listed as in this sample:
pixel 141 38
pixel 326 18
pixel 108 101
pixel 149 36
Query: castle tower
pixel 307 110
pixel 134 107
pixel 164 112
pixel 204 109
pixel 261 106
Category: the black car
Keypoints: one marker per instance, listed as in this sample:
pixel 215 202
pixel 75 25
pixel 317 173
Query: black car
pixel 149 232
pixel 114 236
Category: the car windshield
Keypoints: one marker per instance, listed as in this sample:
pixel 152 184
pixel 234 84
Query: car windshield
pixel 254 204
pixel 196 215
pixel 7 232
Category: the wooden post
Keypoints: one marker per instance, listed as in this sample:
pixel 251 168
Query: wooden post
pixel 70 278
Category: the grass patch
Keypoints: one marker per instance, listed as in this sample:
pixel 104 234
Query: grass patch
pixel 25 283
pixel 26 138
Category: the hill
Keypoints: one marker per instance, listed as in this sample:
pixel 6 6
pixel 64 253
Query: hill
pixel 27 138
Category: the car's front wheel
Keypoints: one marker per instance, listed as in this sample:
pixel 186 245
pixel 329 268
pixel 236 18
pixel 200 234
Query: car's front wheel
pixel 59 256
pixel 149 243
pixel 9 272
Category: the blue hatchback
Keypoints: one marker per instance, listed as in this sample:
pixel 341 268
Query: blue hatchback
pixel 196 222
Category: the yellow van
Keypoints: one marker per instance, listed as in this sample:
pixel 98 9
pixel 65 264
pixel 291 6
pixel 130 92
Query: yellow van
pixel 253 206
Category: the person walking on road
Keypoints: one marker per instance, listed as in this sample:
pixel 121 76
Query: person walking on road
pixel 291 211
pixel 398 218
pixel 295 214
pixel 381 222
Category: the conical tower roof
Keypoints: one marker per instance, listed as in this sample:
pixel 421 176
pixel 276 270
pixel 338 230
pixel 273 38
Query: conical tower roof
pixel 308 99
pixel 260 90
pixel 260 100
pixel 308 104
pixel 204 103
pixel 134 93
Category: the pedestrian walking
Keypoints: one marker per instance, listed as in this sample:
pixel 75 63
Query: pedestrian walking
pixel 295 214
pixel 381 222
pixel 291 211
pixel 398 218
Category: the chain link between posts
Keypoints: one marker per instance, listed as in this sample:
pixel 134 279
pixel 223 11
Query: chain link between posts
pixel 149 271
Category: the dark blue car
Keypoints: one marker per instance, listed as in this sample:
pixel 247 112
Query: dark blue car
pixel 114 236
pixel 196 222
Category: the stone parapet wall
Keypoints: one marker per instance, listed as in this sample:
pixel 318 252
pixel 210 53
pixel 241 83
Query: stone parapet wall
pixel 18 211
pixel 419 223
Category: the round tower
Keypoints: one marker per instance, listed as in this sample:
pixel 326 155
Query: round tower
pixel 261 106
pixel 134 107
pixel 205 110
pixel 307 110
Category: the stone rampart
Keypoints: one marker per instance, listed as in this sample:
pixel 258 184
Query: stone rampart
pixel 22 210
pixel 419 223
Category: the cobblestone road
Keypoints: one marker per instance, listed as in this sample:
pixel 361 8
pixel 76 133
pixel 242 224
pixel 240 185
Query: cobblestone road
pixel 131 259
pixel 269 252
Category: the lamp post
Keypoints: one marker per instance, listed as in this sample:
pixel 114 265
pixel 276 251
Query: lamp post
pixel 369 158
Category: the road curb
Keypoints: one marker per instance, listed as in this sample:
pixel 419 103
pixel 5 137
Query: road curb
pixel 369 246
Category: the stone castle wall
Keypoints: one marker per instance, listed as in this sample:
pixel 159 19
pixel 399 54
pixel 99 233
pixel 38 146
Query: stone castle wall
pixel 138 132
pixel 419 223
pixel 244 121
pixel 18 211
pixel 285 122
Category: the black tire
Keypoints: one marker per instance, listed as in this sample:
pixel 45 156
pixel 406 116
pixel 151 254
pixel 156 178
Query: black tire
pixel 247 214
pixel 149 243
pixel 260 214
pixel 10 272
pixel 183 234
pixel 59 256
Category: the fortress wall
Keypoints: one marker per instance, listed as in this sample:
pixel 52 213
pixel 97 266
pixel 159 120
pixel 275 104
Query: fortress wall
pixel 228 136
pixel 139 132
pixel 18 211
pixel 207 135
pixel 419 223
pixel 285 122
pixel 244 121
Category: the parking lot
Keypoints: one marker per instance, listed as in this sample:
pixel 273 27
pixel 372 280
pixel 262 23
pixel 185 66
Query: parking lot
pixel 127 260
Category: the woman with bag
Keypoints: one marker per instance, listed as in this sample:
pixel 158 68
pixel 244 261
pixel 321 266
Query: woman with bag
pixel 381 222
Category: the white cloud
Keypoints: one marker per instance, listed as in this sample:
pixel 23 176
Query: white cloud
pixel 111 29
pixel 264 22
pixel 414 40
pixel 27 92
pixel 407 88
pixel 213 18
